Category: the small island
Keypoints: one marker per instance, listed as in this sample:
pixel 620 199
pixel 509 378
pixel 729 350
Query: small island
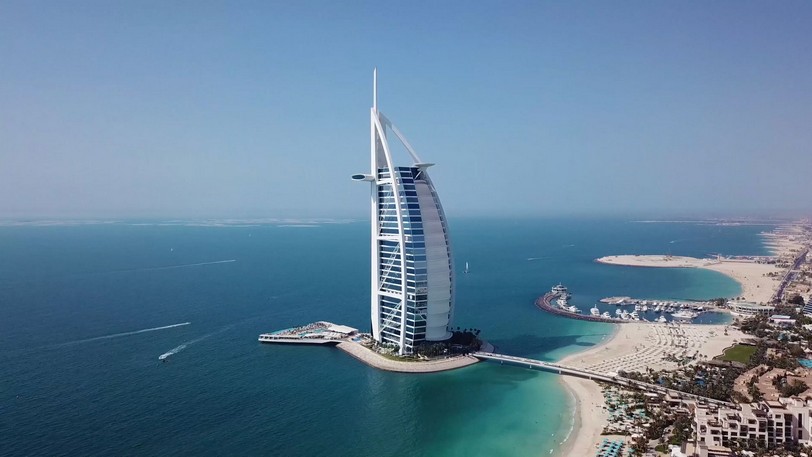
pixel 428 357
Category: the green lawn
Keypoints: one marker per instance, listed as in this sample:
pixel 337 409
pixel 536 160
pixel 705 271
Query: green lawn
pixel 739 353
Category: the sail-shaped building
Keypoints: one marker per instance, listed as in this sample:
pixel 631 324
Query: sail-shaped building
pixel 412 299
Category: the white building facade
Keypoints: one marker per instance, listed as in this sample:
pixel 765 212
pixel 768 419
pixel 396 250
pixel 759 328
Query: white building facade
pixel 412 293
pixel 771 423
pixel 746 309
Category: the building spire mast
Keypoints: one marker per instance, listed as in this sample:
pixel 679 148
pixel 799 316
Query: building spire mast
pixel 375 89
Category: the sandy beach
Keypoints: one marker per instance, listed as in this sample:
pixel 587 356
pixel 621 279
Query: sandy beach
pixel 633 347
pixel 786 242
pixel 589 419
pixel 640 346
pixel 756 285
pixel 376 360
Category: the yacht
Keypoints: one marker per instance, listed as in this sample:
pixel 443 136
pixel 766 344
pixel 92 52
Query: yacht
pixel 618 312
pixel 624 315
pixel 466 268
pixel 606 315
pixel 684 314
pixel 561 290
pixel 644 309
pixel 595 311
pixel 573 309
pixel 662 320
pixel 634 316
pixel 562 302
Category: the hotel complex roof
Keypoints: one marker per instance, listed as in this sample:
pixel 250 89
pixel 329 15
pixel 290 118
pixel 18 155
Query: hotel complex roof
pixel 341 329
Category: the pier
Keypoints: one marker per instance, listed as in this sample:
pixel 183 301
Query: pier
pixel 595 376
pixel 544 303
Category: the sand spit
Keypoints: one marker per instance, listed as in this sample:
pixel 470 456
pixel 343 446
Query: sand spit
pixel 756 285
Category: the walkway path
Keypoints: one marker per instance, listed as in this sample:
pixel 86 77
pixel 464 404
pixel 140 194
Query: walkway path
pixel 594 376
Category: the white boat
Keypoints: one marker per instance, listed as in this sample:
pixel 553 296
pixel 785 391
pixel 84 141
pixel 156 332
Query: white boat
pixel 662 320
pixel 573 309
pixel 634 316
pixel 618 312
pixel 595 311
pixel 466 268
pixel 562 302
pixel 658 309
pixel 561 290
pixel 606 315
pixel 638 307
pixel 684 314
pixel 624 315
pixel 644 309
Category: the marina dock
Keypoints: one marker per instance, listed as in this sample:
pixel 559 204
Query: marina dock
pixel 679 311
pixel 544 303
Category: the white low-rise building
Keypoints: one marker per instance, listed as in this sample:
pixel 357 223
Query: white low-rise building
pixel 746 309
pixel 780 320
pixel 770 423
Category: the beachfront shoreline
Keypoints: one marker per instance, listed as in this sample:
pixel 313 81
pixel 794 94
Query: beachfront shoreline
pixel 631 347
pixel 588 415
pixel 635 347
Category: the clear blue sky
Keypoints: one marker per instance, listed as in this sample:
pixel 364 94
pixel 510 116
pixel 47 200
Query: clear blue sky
pixel 244 109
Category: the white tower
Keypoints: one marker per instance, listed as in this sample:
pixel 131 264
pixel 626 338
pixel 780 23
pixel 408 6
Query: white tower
pixel 412 270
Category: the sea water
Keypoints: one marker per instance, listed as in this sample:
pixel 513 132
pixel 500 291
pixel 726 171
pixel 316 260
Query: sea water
pixel 86 311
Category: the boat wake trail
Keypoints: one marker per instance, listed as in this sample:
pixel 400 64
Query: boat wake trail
pixel 171 352
pixel 186 344
pixel 185 265
pixel 117 335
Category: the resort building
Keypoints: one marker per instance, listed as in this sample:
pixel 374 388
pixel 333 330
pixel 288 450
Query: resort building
pixel 808 306
pixel 745 309
pixel 780 320
pixel 412 293
pixel 770 423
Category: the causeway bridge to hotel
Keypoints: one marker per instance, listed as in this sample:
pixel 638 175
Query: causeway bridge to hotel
pixel 594 376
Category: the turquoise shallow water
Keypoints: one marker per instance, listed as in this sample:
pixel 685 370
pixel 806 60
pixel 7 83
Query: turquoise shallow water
pixel 64 390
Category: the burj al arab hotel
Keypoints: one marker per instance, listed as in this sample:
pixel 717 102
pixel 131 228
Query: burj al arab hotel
pixel 412 298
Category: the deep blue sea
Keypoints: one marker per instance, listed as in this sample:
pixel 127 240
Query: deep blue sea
pixel 76 380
